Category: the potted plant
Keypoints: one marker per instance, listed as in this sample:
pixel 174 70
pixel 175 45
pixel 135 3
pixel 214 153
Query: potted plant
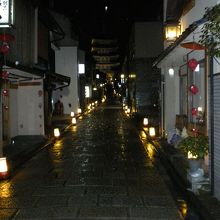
pixel 196 148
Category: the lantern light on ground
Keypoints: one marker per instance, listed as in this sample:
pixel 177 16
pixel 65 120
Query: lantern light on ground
pixel 72 114
pixel 56 132
pixel 3 168
pixel 73 121
pixel 145 122
pixel 152 132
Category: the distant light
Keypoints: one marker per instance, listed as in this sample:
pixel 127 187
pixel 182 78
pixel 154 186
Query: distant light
pixel 152 132
pixel 56 132
pixel 73 121
pixel 87 92
pixel 97 76
pixel 145 121
pixel 79 110
pixel 81 68
pixel 106 8
pixel 72 114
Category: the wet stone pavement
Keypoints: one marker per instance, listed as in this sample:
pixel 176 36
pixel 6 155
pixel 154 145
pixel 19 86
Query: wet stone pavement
pixel 98 169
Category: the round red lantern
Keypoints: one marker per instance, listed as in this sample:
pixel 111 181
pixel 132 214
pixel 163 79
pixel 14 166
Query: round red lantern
pixel 5 75
pixel 5 92
pixel 4 48
pixel 194 89
pixel 192 64
pixel 194 111
pixel 6 37
pixel 195 131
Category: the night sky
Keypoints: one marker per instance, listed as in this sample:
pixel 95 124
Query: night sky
pixel 90 19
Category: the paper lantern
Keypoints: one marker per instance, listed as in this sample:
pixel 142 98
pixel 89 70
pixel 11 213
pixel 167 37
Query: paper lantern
pixel 194 111
pixel 152 132
pixel 72 114
pixel 4 48
pixel 6 37
pixel 56 132
pixel 5 92
pixel 145 122
pixel 3 168
pixel 194 89
pixel 5 75
pixel 73 121
pixel 79 111
pixel 192 64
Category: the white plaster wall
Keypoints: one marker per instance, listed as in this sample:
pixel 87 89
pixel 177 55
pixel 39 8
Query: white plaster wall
pixel 30 110
pixel 13 103
pixel 197 12
pixel 67 64
pixel 171 99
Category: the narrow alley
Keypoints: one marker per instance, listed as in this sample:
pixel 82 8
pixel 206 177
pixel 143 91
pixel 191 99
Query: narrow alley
pixel 98 169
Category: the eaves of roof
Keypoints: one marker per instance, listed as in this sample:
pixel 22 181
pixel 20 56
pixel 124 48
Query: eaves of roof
pixel 182 37
pixel 54 77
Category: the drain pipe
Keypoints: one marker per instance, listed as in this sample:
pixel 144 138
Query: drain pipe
pixel 212 121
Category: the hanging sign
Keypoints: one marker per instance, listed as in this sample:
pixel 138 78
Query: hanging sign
pixel 6 13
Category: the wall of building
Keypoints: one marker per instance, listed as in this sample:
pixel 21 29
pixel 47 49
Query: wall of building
pixel 148 39
pixel 67 64
pixel 146 81
pixel 30 109
pixel 171 95
pixel 22 48
pixel 13 103
pixel 196 13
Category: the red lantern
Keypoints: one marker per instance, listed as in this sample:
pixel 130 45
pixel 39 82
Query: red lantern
pixel 194 111
pixel 4 48
pixel 5 92
pixel 194 89
pixel 192 64
pixel 5 75
pixel 195 131
pixel 6 37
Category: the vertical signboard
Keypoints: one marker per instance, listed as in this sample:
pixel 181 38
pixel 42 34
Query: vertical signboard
pixel 6 13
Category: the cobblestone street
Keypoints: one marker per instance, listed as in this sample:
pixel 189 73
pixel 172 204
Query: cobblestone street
pixel 98 169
